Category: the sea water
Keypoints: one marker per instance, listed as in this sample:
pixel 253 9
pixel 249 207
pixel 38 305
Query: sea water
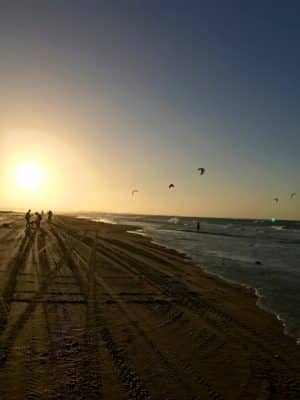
pixel 260 254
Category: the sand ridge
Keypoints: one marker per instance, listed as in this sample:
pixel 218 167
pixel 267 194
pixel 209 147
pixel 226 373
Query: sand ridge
pixel 89 311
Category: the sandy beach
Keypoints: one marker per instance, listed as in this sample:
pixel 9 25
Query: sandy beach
pixel 89 311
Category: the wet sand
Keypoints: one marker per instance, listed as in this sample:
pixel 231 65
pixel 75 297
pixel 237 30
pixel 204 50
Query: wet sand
pixel 89 311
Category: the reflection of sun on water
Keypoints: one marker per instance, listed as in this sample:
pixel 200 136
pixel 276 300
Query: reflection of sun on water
pixel 29 176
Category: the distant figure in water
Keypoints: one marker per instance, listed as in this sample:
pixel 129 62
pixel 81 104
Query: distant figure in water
pixel 38 219
pixel 50 215
pixel 42 214
pixel 198 226
pixel 27 218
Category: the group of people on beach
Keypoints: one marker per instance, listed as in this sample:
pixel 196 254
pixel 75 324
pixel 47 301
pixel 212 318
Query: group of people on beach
pixel 38 218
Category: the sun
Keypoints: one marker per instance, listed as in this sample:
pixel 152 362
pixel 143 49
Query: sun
pixel 29 176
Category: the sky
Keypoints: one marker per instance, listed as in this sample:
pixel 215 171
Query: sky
pixel 110 96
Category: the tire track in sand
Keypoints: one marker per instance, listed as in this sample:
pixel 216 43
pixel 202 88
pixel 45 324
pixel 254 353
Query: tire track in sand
pixel 132 382
pixel 15 266
pixel 223 322
pixel 220 320
pixel 68 352
pixel 170 367
pixel 9 337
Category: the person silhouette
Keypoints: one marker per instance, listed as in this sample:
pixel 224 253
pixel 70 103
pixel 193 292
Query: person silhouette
pixel 27 218
pixel 198 226
pixel 38 219
pixel 50 215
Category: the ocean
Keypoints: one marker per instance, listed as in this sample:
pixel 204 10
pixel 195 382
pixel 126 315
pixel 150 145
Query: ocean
pixel 260 254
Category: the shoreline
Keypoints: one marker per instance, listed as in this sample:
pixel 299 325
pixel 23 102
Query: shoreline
pixel 119 315
pixel 255 291
pixel 136 230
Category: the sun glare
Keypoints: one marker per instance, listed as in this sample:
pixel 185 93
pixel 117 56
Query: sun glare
pixel 29 176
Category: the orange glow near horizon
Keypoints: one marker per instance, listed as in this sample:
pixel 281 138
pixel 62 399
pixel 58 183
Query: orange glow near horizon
pixel 53 169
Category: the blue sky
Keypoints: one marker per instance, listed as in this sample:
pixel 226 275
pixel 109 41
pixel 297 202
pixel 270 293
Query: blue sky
pixel 150 90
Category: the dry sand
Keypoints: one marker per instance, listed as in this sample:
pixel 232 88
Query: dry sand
pixel 113 316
